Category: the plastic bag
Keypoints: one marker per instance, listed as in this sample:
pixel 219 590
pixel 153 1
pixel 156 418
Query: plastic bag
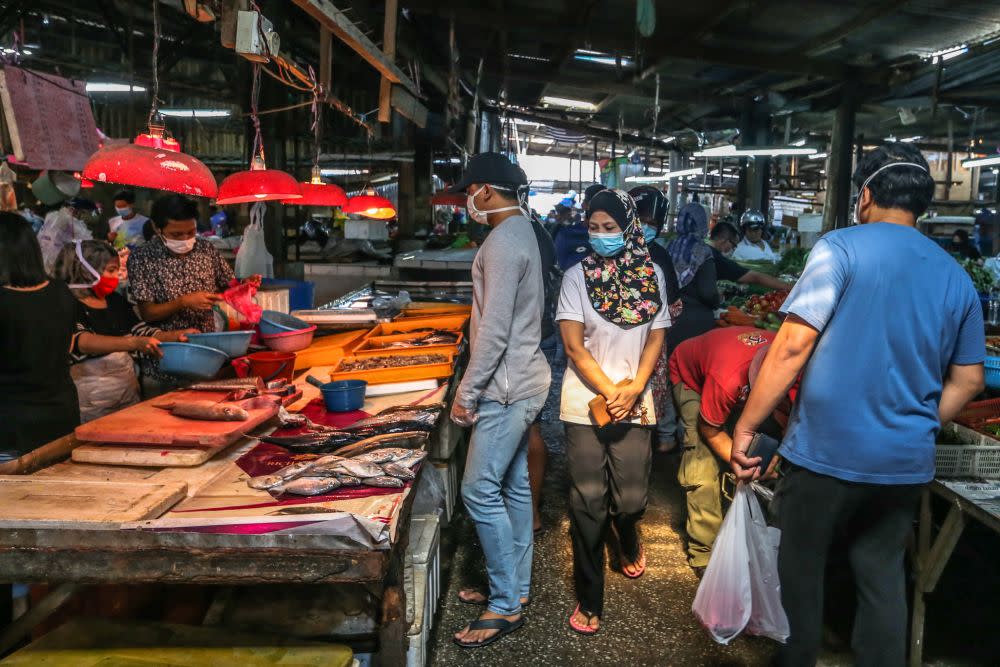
pixel 740 589
pixel 240 297
pixel 253 257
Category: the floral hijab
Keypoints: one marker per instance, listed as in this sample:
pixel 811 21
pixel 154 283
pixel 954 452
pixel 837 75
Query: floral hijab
pixel 623 288
pixel 689 250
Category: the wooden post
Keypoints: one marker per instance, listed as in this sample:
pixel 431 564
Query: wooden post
pixel 389 49
pixel 407 200
pixel 836 210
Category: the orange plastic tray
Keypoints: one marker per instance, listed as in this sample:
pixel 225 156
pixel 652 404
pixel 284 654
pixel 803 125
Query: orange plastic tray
pixel 328 350
pixel 411 324
pixel 424 309
pixel 404 374
pixel 370 345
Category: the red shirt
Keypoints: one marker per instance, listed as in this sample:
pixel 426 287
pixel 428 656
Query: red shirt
pixel 717 366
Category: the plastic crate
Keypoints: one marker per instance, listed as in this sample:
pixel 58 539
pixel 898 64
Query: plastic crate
pixel 992 366
pixel 967 461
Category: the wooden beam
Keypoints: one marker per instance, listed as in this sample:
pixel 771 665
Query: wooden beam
pixel 325 59
pixel 337 23
pixel 820 43
pixel 408 106
pixel 389 48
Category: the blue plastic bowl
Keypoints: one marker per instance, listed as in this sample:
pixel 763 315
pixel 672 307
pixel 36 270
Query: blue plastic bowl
pixel 344 395
pixel 233 343
pixel 275 322
pixel 194 362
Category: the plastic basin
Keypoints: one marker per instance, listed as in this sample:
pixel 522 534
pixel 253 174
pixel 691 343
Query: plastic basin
pixel 233 343
pixel 194 362
pixel 344 395
pixel 290 341
pixel 274 322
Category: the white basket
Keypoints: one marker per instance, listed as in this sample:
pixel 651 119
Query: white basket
pixel 449 476
pixel 967 461
pixel 424 552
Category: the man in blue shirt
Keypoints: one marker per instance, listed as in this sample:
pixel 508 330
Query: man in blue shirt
pixel 886 330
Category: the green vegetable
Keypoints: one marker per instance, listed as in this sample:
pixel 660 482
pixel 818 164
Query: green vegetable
pixel 793 261
pixel 982 278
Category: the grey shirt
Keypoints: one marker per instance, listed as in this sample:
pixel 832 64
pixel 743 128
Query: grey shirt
pixel 506 363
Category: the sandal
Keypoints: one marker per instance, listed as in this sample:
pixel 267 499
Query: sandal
pixel 503 625
pixel 485 598
pixel 584 630
pixel 640 571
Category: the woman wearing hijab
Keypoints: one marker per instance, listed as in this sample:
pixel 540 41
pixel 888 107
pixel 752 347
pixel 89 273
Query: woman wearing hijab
pixel 612 314
pixel 696 275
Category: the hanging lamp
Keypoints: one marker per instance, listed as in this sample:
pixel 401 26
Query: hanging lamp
pixel 315 192
pixel 154 160
pixel 371 205
pixel 257 184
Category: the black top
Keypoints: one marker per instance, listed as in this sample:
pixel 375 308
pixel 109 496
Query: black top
pixel 700 298
pixel 118 319
pixel 661 258
pixel 37 331
pixel 550 274
pixel 727 269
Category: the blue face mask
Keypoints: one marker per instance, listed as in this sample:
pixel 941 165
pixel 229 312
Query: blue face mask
pixel 607 245
pixel 649 232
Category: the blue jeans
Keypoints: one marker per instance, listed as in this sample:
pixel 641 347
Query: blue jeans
pixel 497 496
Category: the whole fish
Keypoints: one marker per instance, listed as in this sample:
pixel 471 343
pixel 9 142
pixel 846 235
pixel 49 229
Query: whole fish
pixel 416 419
pixel 348 480
pixel 358 468
pixel 414 439
pixel 379 456
pixel 310 486
pixel 207 411
pixel 384 481
pixel 415 457
pixel 264 482
pixel 398 471
pixel 426 407
pixel 314 443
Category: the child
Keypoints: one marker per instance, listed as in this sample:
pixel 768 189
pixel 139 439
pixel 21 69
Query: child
pixel 105 375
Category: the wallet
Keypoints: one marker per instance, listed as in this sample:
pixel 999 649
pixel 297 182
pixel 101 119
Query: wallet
pixel 599 407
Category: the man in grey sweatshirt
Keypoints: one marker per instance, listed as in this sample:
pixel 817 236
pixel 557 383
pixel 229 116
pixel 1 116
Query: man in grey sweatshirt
pixel 503 390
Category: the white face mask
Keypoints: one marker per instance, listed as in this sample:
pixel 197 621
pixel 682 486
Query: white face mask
pixel 480 215
pixel 179 247
pixel 856 217
pixel 123 212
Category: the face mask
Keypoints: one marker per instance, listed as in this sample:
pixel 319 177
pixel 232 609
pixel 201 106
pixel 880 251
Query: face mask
pixel 481 216
pixel 123 212
pixel 856 217
pixel 607 245
pixel 649 233
pixel 179 247
pixel 105 286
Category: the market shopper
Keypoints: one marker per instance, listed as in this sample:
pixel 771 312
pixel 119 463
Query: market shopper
pixel 711 376
pixel 612 316
pixel 63 225
pixel 888 330
pixel 126 227
pixel 502 391
pixel 724 239
pixel 176 278
pixel 572 241
pixel 696 276
pixel 105 378
pixel 754 247
pixel 961 245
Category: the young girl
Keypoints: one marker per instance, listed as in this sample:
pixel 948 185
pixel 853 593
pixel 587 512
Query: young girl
pixel 105 375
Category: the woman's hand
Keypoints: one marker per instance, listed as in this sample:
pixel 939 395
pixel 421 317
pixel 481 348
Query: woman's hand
pixel 145 345
pixel 177 336
pixel 622 400
pixel 200 300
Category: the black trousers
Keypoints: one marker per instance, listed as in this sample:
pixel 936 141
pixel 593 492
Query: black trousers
pixel 874 520
pixel 609 478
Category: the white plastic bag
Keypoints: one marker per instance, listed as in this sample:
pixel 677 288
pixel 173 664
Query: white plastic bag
pixel 253 258
pixel 740 588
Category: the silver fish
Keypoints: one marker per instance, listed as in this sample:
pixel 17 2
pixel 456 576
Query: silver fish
pixel 348 480
pixel 378 456
pixel 358 468
pixel 398 471
pixel 327 459
pixel 288 472
pixel 389 440
pixel 415 457
pixel 384 481
pixel 310 486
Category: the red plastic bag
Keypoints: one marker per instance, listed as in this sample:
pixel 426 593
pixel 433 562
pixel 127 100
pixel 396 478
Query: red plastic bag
pixel 240 296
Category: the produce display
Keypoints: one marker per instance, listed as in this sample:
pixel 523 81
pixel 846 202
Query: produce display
pixel 793 261
pixel 982 278
pixel 376 363
pixel 759 310
pixel 764 304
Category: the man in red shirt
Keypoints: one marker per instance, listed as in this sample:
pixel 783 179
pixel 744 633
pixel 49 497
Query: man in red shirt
pixel 710 376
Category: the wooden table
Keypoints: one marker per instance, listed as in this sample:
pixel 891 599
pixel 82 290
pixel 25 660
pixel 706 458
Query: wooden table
pixel 107 554
pixel 968 499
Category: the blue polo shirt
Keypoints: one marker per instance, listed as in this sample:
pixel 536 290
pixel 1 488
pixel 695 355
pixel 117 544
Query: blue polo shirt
pixel 894 311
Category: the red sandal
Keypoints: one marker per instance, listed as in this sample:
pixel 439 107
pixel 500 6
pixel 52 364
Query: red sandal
pixel 584 630
pixel 640 571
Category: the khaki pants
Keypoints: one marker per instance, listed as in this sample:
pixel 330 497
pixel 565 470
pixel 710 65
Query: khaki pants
pixel 700 475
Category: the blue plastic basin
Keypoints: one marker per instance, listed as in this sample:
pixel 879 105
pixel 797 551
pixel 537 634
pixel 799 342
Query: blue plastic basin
pixel 233 343
pixel 194 362
pixel 275 322
pixel 344 395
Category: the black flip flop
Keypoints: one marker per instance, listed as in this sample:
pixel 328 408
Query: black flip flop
pixel 524 605
pixel 502 624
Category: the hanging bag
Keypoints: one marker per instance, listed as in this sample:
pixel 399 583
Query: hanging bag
pixel 252 257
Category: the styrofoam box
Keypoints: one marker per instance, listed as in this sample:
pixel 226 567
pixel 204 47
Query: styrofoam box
pixel 424 552
pixel 372 230
pixel 447 437
pixel 449 476
pixel 420 615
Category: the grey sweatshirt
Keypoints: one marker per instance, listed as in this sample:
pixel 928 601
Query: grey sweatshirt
pixel 506 363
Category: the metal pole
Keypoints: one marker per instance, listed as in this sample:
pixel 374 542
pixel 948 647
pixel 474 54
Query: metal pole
pixel 595 160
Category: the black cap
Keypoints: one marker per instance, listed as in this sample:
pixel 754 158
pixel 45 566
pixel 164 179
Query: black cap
pixel 592 190
pixel 492 169
pixel 82 204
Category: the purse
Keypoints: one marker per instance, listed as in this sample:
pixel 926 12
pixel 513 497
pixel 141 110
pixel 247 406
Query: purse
pixel 599 407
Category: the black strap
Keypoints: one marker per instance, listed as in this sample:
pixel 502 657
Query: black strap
pixel 491 624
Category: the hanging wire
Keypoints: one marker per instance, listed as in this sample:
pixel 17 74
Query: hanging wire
pixel 258 142
pixel 153 108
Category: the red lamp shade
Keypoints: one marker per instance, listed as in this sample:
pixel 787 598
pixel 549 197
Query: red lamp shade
pixel 156 168
pixel 319 194
pixel 86 183
pixel 258 184
pixel 371 206
pixel 445 199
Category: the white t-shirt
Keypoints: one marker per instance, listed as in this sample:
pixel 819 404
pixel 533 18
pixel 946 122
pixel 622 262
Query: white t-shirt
pixel 748 251
pixel 129 231
pixel 615 349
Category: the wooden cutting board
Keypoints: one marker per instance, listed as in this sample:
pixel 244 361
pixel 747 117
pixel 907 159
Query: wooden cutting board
pixel 26 499
pixel 146 424
pixel 159 456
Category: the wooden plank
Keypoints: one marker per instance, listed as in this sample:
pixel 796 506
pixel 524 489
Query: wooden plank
pixel 941 551
pixel 408 106
pixel 44 456
pixel 158 456
pixel 32 500
pixel 389 48
pixel 325 59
